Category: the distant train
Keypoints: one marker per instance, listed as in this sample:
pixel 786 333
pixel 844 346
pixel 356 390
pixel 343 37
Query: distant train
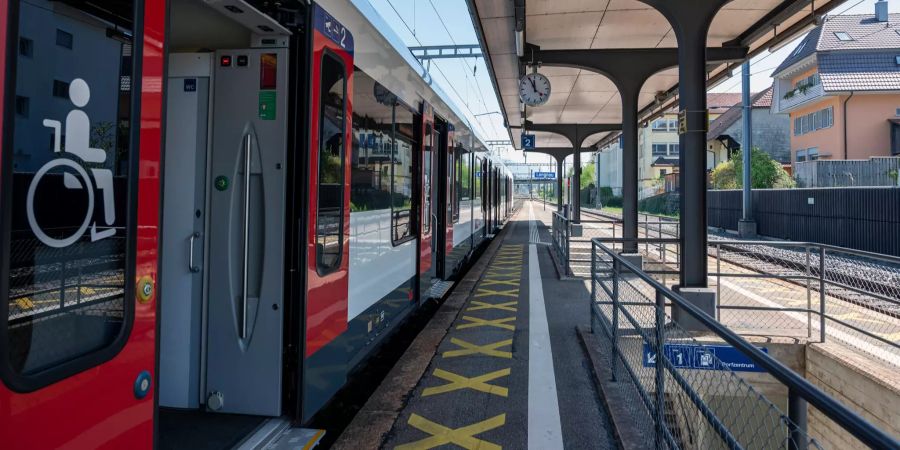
pixel 216 206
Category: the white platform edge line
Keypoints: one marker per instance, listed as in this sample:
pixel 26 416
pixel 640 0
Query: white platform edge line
pixel 544 427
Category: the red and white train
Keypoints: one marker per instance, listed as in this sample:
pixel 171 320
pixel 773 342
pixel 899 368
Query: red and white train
pixel 214 210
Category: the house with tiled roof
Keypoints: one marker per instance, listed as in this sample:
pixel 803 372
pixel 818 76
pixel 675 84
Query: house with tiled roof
pixel 658 148
pixel 841 88
pixel 771 132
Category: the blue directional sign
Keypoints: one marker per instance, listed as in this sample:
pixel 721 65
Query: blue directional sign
pixel 544 175
pixel 703 357
pixel 528 141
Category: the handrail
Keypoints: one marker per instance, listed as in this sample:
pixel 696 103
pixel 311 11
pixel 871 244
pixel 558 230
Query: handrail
pixel 849 420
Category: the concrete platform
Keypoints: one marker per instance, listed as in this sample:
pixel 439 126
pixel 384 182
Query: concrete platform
pixel 499 366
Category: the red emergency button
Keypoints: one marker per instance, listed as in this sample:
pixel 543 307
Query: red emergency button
pixel 225 61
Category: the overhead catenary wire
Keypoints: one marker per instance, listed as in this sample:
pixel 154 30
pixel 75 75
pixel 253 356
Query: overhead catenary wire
pixel 474 67
pixel 437 66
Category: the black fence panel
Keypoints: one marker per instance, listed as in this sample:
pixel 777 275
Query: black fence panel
pixel 860 218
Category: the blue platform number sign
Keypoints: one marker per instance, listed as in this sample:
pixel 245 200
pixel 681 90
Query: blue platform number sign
pixel 702 357
pixel 334 30
pixel 528 141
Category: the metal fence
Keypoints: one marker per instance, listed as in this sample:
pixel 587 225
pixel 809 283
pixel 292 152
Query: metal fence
pixel 859 218
pixel 690 408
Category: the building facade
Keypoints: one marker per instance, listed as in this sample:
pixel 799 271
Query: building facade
pixel 771 132
pixel 658 148
pixel 841 89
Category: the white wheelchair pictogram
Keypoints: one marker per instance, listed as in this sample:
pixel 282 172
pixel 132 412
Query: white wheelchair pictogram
pixel 78 129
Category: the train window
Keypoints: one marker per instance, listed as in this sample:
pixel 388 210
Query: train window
pixel 330 202
pixel 402 163
pixel 68 237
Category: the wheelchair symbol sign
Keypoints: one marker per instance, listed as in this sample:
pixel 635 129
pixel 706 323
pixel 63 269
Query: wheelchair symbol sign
pixel 77 138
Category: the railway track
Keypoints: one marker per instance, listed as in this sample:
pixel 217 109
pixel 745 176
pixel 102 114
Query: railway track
pixel 856 279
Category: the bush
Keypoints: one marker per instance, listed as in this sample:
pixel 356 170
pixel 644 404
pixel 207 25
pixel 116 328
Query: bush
pixel 612 202
pixel 765 173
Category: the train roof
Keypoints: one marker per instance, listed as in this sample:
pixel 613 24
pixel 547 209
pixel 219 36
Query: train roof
pixel 383 55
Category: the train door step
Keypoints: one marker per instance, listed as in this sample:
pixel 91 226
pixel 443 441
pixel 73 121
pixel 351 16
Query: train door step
pixel 439 289
pixel 277 434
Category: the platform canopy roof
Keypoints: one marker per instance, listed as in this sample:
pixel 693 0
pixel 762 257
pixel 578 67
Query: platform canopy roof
pixel 579 96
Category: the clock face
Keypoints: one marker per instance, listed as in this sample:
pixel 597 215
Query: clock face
pixel 534 89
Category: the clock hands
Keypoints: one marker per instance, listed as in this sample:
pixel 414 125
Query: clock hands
pixel 534 86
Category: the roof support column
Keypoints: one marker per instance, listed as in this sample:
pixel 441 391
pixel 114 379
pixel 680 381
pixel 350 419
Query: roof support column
pixel 576 134
pixel 576 185
pixel 559 184
pixel 628 69
pixel 559 154
pixel 691 19
pixel 630 93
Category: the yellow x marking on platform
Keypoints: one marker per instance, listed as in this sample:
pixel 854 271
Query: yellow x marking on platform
pixel 478 383
pixel 508 306
pixel 477 322
pixel 511 275
pixel 463 437
pixel 474 349
pixel 489 282
pixel 25 303
pixel 514 293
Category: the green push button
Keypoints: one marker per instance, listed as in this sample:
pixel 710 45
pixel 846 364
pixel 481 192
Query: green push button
pixel 221 182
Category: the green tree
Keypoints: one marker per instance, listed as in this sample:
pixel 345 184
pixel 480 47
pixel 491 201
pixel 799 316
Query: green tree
pixel 588 173
pixel 765 173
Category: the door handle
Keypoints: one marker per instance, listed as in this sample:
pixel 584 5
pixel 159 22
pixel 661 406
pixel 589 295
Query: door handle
pixel 248 148
pixel 191 265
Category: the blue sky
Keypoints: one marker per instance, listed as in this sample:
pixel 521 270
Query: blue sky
pixel 467 82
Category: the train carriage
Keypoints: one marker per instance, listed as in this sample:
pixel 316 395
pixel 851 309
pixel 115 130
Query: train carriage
pixel 213 211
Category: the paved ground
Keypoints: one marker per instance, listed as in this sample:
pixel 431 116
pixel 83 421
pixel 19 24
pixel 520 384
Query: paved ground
pixel 510 372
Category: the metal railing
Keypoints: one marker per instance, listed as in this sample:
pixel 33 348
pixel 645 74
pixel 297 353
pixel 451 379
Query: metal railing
pixel 560 232
pixel 828 293
pixel 685 392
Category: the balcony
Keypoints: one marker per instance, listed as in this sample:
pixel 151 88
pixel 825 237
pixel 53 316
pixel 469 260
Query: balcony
pixel 800 97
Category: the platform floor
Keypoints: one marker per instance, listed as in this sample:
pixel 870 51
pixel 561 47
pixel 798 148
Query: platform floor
pixel 509 372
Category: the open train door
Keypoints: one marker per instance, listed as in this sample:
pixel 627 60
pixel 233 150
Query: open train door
pixel 79 230
pixel 442 198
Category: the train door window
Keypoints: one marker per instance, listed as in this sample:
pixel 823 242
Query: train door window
pixel 68 235
pixel 403 161
pixel 479 168
pixel 426 178
pixel 330 202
